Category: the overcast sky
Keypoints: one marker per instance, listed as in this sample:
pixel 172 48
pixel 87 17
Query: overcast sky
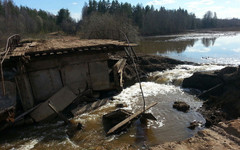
pixel 223 8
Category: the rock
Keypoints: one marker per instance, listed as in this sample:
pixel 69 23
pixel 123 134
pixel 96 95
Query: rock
pixel 208 123
pixel 194 124
pixel 202 81
pixel 120 105
pixel 226 70
pixel 181 106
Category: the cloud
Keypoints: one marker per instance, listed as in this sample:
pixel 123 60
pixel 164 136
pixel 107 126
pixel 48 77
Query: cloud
pixel 75 3
pixel 161 2
pixel 76 16
pixel 228 2
pixel 237 50
pixel 196 4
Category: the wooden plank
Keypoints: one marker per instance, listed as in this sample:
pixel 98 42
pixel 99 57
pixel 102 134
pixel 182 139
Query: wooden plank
pixel 89 107
pixel 60 100
pixel 118 73
pixel 58 113
pixel 122 123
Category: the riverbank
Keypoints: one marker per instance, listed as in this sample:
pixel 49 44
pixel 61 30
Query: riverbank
pixel 221 109
pixel 224 135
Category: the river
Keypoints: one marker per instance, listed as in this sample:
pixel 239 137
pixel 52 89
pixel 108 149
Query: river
pixel 163 87
pixel 214 48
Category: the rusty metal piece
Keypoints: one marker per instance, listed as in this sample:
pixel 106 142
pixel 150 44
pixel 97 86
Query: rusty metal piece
pixel 12 42
pixel 11 115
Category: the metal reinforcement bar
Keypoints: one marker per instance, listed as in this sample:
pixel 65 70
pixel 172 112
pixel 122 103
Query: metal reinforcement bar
pixel 12 42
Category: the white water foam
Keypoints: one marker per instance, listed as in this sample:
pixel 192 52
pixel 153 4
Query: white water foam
pixel 182 71
pixel 30 144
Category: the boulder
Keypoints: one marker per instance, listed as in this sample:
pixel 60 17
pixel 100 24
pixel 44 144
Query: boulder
pixel 181 106
pixel 194 124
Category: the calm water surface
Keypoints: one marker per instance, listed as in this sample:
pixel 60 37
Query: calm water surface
pixel 214 48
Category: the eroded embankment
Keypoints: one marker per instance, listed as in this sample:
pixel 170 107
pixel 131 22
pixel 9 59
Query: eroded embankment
pixel 220 89
pixel 221 92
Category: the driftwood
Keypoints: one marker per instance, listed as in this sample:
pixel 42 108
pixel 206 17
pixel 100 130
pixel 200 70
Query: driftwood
pixel 130 118
pixel 118 72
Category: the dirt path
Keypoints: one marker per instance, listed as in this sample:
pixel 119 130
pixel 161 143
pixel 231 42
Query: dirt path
pixel 226 135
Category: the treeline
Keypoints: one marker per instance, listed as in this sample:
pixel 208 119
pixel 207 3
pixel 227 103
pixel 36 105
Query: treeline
pixel 26 21
pixel 151 21
pixel 21 19
pixel 105 19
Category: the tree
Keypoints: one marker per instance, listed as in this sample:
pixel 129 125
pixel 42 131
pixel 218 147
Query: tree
pixel 107 26
pixel 63 15
pixel 209 20
pixel 66 23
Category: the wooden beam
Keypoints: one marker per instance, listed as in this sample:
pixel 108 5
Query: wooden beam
pixel 130 118
pixel 60 115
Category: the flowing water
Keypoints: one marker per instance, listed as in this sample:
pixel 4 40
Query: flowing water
pixel 162 87
pixel 171 125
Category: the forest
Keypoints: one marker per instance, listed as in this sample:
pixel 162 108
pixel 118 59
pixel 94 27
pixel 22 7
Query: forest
pixel 105 19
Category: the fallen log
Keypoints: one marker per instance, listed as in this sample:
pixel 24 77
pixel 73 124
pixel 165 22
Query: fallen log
pixel 130 118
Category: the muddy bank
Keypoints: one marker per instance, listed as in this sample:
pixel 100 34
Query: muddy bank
pixel 224 135
pixel 220 90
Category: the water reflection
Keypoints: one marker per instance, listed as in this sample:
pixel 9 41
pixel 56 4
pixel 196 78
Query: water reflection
pixel 163 45
pixel 208 41
pixel 220 48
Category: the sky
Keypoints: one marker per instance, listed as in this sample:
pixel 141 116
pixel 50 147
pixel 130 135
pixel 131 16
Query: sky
pixel 224 8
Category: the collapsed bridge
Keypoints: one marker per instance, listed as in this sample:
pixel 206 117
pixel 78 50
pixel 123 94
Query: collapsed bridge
pixel 34 72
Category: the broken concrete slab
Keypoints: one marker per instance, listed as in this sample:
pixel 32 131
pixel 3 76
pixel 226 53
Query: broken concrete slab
pixel 60 100
pixel 113 118
pixel 25 91
pixel 130 118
